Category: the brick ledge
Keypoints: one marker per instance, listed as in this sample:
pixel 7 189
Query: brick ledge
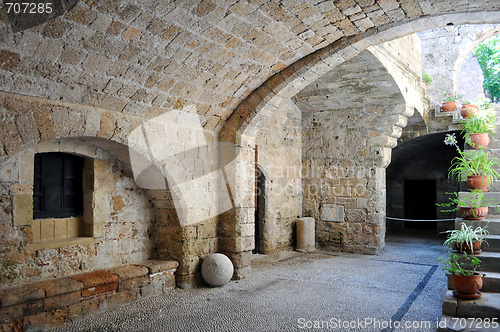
pixel 53 302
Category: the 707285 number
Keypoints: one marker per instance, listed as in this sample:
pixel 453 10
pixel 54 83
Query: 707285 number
pixel 478 323
pixel 28 8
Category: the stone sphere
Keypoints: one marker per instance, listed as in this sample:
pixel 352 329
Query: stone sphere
pixel 217 269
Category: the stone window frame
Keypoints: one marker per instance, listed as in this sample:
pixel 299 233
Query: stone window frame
pixel 95 206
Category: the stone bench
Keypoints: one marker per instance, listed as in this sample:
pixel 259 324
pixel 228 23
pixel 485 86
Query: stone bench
pixel 53 302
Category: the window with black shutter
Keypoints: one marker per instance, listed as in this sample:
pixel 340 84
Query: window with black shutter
pixel 57 191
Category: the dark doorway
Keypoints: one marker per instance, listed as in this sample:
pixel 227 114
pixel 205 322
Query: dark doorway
pixel 260 184
pixel 420 204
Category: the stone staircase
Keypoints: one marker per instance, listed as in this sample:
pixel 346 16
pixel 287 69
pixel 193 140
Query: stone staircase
pixel 472 315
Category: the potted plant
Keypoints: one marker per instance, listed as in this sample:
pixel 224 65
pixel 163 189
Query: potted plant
pixel 466 239
pixel 468 109
pixel 427 79
pixel 472 206
pixel 462 270
pixel 477 129
pixel 476 165
pixel 449 101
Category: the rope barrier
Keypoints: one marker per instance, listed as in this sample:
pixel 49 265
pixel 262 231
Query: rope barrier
pixel 422 220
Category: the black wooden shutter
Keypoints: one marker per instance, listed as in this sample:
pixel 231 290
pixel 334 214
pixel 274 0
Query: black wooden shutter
pixel 57 191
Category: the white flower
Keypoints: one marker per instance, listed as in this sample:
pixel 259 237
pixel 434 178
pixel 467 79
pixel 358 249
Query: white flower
pixel 450 139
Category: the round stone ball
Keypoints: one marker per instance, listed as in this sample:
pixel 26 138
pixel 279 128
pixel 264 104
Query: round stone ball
pixel 217 269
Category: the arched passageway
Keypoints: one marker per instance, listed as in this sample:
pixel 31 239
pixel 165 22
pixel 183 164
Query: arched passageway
pixel 122 63
pixel 417 179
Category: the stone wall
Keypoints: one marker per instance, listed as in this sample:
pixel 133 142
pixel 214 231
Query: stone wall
pixel 470 82
pixel 119 219
pixel 443 53
pixel 280 158
pixel 346 139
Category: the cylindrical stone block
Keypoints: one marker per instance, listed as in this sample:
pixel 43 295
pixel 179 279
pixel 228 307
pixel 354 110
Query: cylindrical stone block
pixel 306 231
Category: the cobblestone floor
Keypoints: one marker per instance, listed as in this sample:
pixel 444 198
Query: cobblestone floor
pixel 399 290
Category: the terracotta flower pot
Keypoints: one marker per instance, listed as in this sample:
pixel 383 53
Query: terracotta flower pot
pixel 481 182
pixel 469 110
pixel 449 106
pixel 474 213
pixel 479 140
pixel 465 247
pixel 467 287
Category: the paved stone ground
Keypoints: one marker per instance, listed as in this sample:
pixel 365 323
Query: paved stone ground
pixel 295 292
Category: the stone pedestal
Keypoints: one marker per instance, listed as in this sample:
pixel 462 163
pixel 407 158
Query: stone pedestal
pixel 306 234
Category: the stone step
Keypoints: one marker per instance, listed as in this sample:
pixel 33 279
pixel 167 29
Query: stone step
pixel 490 223
pixel 487 306
pixel 449 324
pixel 491 194
pixel 493 243
pixel 494 153
pixel 494 142
pixel 490 261
pixel 491 282
pixel 494 188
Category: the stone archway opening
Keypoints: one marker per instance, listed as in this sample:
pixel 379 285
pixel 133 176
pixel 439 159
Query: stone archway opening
pixel 417 172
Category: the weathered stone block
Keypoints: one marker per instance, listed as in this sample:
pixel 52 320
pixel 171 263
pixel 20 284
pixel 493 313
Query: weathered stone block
pixel 47 229
pixel 80 310
pixel 155 266
pixel 117 300
pixel 95 278
pixel 19 295
pixel 15 311
pixel 131 33
pixel 23 209
pixel 63 300
pixel 8 59
pixel 57 317
pixel 55 28
pixel 81 15
pixel 60 286
pixel 332 212
pixel 11 325
pixel 129 272
pixel 134 283
pixel 100 289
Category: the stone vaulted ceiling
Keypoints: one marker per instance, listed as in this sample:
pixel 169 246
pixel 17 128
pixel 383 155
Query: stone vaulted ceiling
pixel 143 58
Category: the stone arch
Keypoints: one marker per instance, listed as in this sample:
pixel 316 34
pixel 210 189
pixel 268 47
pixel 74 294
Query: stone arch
pixel 252 111
pixel 465 51
pixel 28 121
pixel 242 126
pixel 38 124
pixel 111 231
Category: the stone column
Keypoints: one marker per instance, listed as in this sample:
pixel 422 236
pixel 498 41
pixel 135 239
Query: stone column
pixel 306 234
